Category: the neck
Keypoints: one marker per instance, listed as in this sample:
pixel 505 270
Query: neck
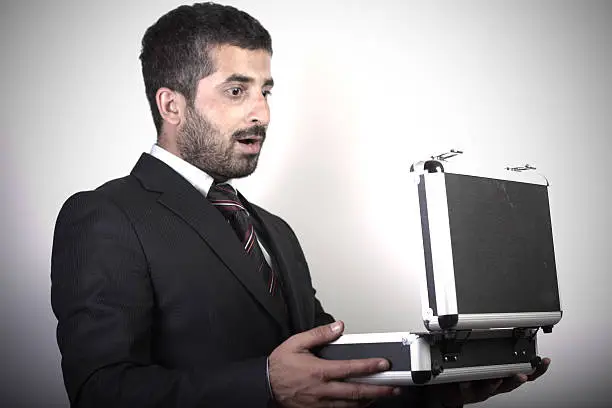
pixel 168 143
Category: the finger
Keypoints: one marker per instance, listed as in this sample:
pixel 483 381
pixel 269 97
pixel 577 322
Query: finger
pixel 489 385
pixel 345 404
pixel 511 383
pixel 351 404
pixel 481 390
pixel 450 394
pixel 340 404
pixel 337 390
pixel 343 369
pixel 315 337
pixel 540 369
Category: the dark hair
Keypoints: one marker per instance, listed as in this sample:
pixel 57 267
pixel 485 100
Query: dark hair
pixel 176 49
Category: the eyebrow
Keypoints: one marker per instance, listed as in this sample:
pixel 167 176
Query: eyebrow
pixel 247 80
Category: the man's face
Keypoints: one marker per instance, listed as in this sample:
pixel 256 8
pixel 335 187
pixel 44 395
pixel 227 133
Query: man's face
pixel 224 132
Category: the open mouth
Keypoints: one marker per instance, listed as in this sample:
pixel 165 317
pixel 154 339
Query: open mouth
pixel 250 145
pixel 250 140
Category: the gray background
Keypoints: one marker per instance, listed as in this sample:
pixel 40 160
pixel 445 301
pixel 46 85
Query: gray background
pixel 363 90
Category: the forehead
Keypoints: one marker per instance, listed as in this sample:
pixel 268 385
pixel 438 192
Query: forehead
pixel 229 60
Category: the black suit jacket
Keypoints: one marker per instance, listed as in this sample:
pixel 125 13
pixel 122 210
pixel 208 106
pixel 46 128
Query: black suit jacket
pixel 157 303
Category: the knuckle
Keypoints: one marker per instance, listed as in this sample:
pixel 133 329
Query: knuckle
pixel 318 331
pixel 356 394
pixel 319 374
pixel 289 343
pixel 340 370
pixel 370 365
pixel 348 369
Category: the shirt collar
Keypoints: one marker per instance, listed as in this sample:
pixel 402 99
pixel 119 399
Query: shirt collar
pixel 199 179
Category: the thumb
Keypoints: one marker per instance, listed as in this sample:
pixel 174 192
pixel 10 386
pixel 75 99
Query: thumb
pixel 316 337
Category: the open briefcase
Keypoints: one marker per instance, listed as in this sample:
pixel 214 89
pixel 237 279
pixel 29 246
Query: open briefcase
pixel 490 279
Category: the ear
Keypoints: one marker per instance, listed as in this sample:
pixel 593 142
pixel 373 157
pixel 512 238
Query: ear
pixel 171 105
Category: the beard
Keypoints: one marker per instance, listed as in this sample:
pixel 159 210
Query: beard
pixel 202 145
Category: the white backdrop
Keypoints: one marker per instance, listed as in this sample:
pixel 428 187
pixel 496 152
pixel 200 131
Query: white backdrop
pixel 363 90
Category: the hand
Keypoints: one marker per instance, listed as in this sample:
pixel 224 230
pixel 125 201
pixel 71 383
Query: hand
pixel 300 379
pixel 457 394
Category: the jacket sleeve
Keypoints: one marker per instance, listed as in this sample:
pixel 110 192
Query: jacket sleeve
pixel 103 298
pixel 321 317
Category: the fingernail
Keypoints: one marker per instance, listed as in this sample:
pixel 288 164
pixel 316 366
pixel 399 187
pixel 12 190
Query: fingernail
pixel 335 327
pixel 383 365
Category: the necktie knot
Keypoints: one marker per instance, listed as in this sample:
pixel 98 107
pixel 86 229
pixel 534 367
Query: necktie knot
pixel 224 197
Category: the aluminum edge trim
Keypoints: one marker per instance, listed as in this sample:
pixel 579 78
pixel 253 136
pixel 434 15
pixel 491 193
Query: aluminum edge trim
pixel 420 355
pixel 503 320
pixel 481 372
pixel 386 378
pixel 441 248
pixel 388 337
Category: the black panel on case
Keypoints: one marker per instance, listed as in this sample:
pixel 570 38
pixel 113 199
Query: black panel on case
pixel 485 351
pixel 431 287
pixel 397 354
pixel 502 246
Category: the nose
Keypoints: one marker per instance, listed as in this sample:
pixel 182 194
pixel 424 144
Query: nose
pixel 260 111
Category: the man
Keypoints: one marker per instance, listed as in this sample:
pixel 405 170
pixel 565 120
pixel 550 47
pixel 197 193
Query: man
pixel 170 288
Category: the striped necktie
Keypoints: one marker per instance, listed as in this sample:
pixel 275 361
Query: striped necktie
pixel 225 199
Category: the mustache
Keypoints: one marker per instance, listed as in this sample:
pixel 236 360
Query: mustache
pixel 257 130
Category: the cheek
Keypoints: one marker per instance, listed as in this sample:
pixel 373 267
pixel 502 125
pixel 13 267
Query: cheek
pixel 223 122
pixel 230 121
pixel 226 118
pixel 227 128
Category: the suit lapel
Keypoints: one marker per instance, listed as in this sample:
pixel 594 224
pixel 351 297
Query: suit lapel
pixel 180 197
pixel 280 248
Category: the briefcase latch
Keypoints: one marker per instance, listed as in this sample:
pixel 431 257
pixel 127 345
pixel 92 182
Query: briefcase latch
pixel 451 343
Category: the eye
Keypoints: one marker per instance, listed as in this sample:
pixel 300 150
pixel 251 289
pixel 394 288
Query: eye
pixel 266 93
pixel 236 91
